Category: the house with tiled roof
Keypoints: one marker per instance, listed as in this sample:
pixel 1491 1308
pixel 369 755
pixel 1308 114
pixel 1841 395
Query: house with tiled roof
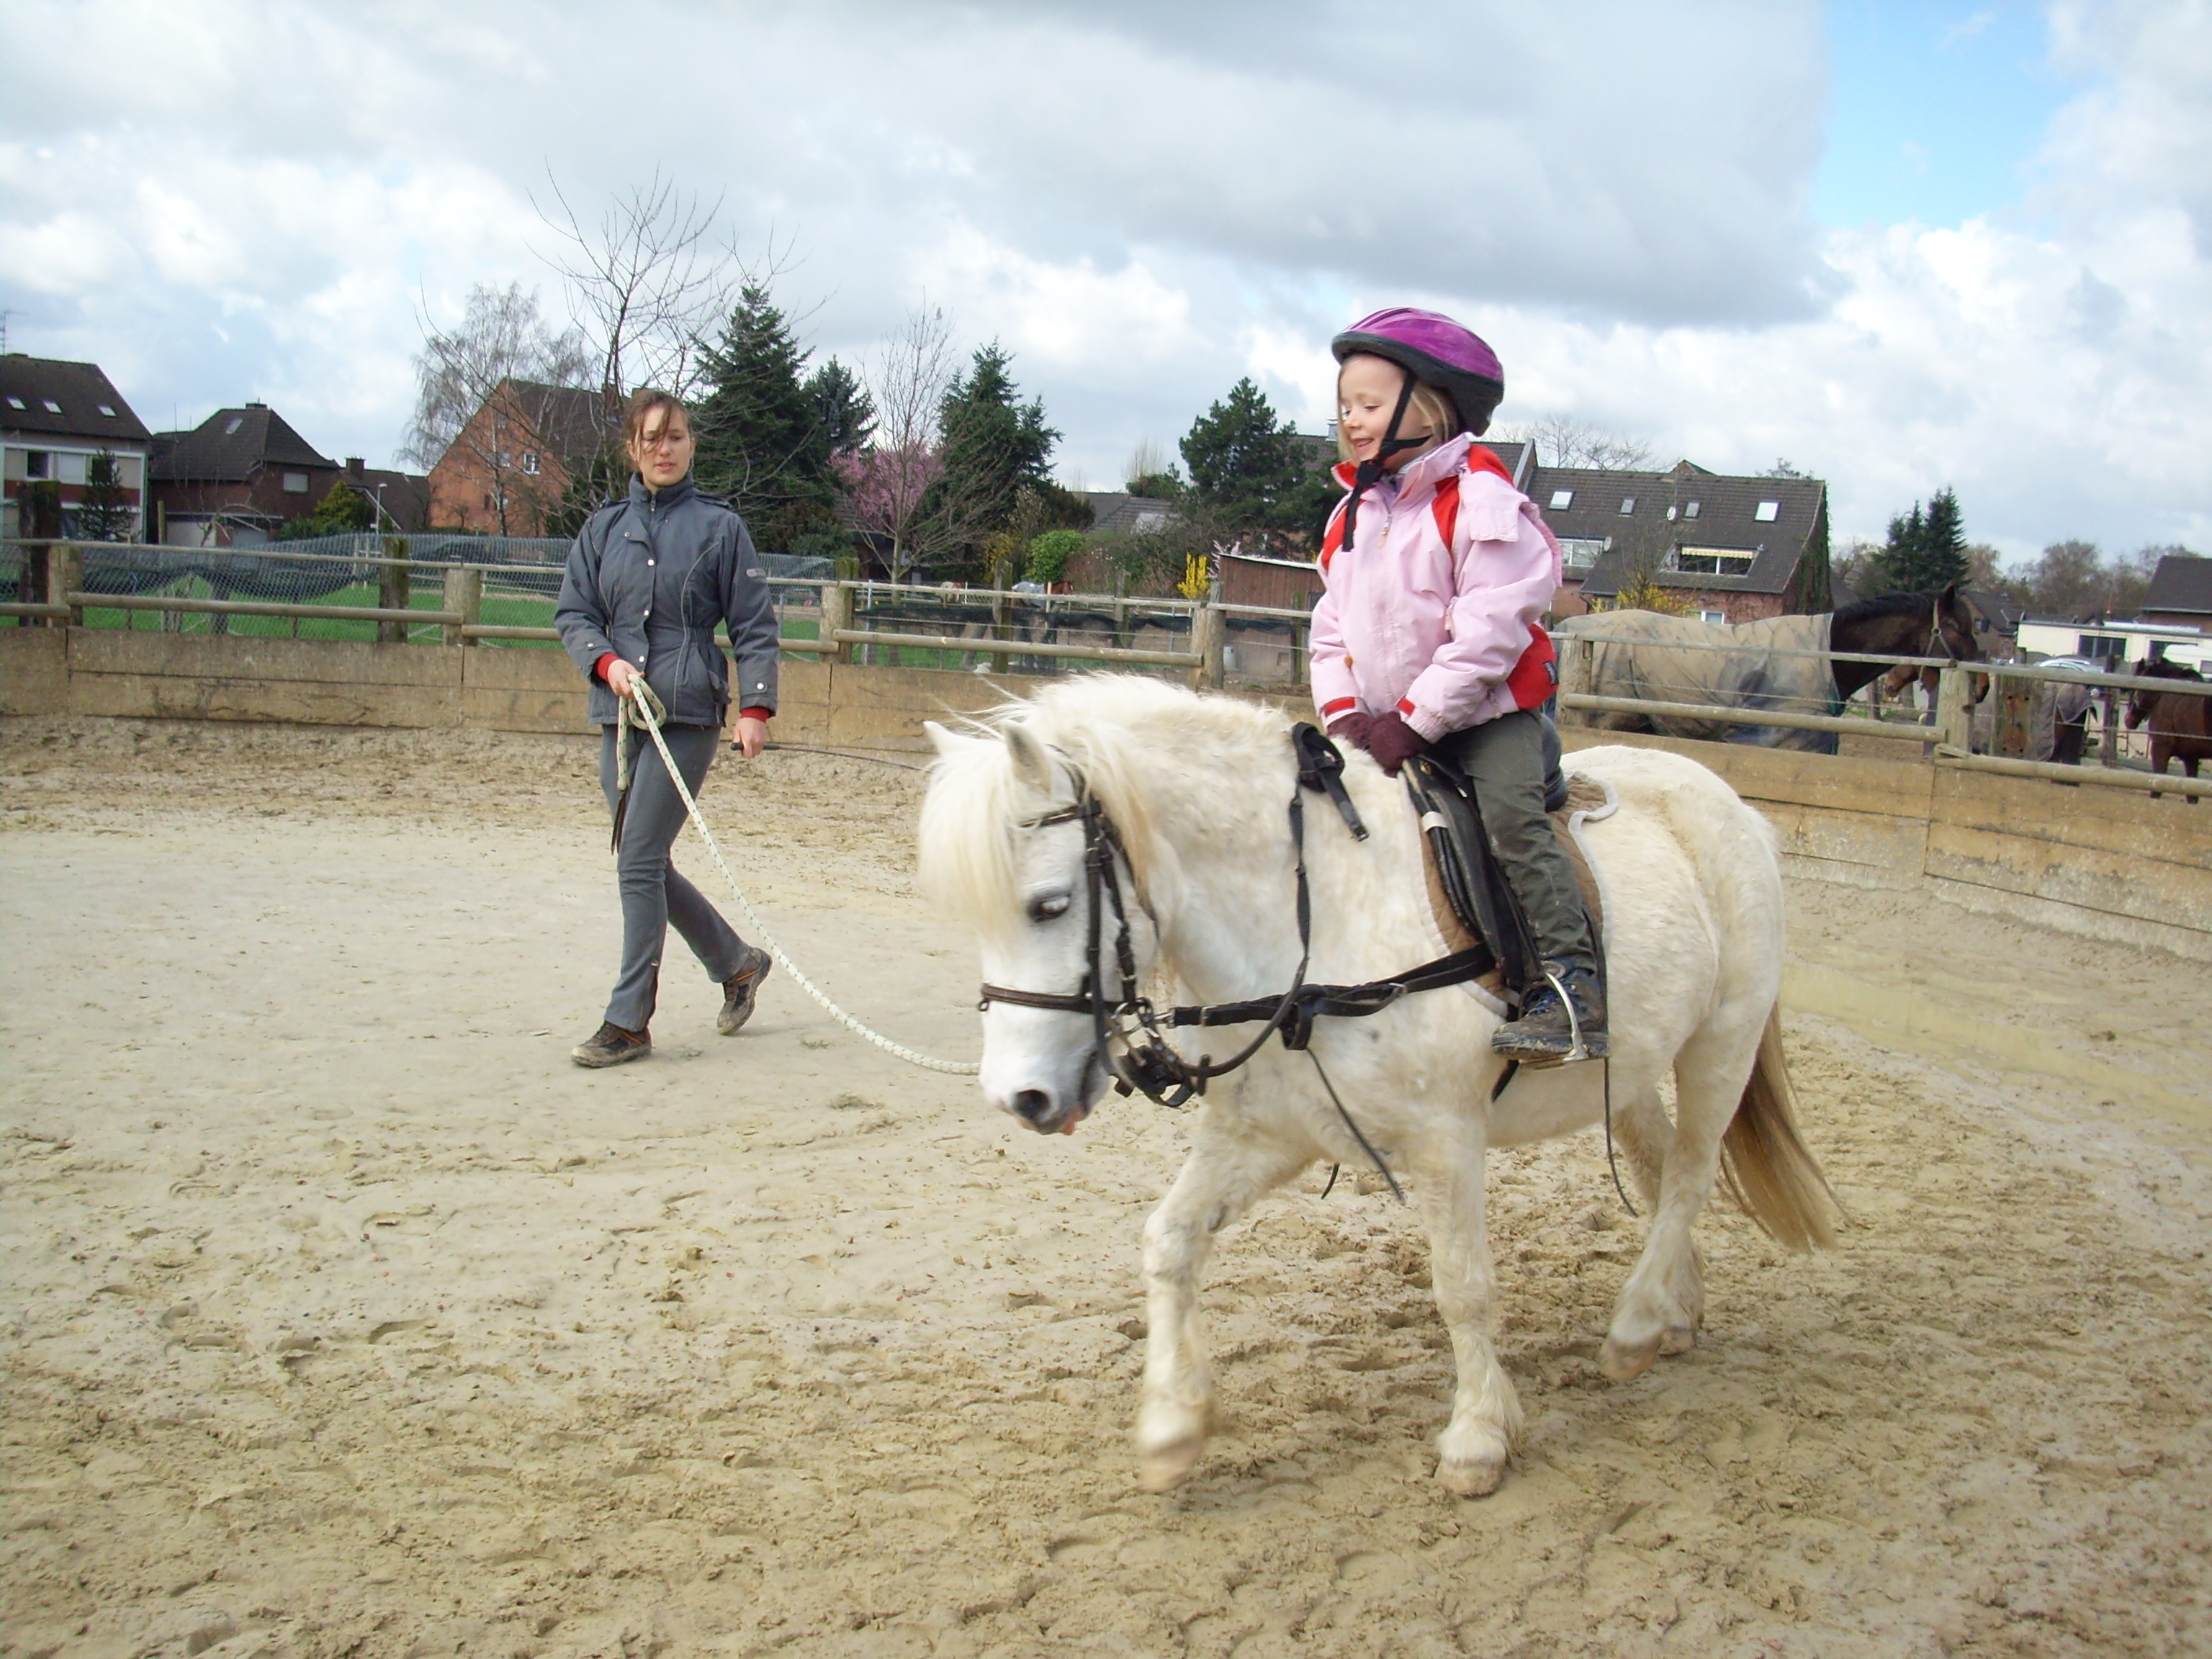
pixel 2180 592
pixel 507 470
pixel 1733 548
pixel 57 419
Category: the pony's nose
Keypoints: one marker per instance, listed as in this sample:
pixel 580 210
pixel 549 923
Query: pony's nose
pixel 1033 1106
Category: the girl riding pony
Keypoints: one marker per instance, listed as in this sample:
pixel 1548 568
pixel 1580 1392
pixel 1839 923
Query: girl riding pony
pixel 1435 569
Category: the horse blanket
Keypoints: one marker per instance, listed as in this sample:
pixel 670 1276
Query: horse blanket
pixel 1661 659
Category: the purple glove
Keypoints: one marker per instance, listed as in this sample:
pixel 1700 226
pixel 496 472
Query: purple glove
pixel 1351 729
pixel 1393 742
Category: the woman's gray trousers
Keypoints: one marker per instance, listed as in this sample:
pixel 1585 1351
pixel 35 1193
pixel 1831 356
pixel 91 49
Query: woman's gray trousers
pixel 653 894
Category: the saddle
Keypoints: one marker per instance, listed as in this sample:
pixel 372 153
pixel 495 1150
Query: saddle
pixel 1473 902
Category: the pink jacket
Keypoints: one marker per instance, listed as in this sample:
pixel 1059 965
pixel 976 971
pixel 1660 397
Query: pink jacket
pixel 1433 609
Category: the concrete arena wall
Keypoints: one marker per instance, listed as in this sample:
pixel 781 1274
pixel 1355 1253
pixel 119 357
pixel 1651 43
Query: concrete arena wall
pixel 2108 863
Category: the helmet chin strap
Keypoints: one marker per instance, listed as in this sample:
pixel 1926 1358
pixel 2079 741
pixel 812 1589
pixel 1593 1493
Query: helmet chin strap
pixel 1370 472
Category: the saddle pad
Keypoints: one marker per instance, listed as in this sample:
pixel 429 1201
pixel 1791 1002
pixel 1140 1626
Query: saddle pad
pixel 1586 797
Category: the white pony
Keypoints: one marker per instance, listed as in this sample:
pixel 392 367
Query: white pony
pixel 1197 787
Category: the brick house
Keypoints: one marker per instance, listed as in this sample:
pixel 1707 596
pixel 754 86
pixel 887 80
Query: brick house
pixel 56 419
pixel 507 470
pixel 1733 549
pixel 235 478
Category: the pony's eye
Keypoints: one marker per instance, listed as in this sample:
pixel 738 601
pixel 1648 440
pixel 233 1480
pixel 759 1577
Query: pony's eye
pixel 1048 907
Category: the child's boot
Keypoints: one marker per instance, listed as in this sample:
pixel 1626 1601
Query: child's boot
pixel 1564 1018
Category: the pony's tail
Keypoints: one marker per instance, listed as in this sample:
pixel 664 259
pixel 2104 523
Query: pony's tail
pixel 1766 1165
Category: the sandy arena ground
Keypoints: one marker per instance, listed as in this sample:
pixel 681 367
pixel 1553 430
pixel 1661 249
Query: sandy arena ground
pixel 343 1316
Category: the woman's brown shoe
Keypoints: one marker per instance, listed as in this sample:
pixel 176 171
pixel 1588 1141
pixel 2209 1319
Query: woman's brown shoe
pixel 611 1046
pixel 740 988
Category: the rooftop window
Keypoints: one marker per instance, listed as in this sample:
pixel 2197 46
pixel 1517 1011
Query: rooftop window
pixel 107 409
pixel 14 402
pixel 1766 512
pixel 53 408
pixel 1627 505
pixel 1562 500
pixel 1690 510
pixel 1712 561
pixel 232 424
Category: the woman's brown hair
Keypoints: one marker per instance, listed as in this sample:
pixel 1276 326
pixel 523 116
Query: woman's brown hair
pixel 643 402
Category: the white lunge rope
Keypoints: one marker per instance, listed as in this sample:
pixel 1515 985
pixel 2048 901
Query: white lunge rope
pixel 644 709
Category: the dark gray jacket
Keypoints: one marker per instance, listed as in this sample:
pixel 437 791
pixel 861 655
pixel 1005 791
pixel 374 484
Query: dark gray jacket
pixel 647 580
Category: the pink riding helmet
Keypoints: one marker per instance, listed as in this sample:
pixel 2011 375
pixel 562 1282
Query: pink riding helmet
pixel 1436 351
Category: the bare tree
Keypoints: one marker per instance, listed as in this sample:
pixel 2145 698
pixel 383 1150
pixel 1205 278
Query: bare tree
pixel 1564 440
pixel 893 486
pixel 497 391
pixel 649 277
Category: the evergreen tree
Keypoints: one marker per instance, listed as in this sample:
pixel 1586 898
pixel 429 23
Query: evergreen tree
pixel 994 446
pixel 1943 543
pixel 1243 461
pixel 843 411
pixel 104 514
pixel 762 439
pixel 1926 549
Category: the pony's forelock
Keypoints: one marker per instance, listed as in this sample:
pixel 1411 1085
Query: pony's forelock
pixel 1107 730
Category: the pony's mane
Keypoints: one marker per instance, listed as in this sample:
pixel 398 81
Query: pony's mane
pixel 1891 604
pixel 1120 735
pixel 2166 669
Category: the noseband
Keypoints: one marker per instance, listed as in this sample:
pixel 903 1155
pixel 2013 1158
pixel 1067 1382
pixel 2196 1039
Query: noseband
pixel 1129 1030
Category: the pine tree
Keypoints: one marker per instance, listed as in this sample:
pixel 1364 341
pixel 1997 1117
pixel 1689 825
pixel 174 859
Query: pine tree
pixel 104 514
pixel 1241 459
pixel 993 446
pixel 1926 549
pixel 762 441
pixel 843 412
pixel 1943 543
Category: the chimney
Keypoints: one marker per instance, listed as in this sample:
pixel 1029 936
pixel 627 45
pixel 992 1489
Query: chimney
pixel 355 465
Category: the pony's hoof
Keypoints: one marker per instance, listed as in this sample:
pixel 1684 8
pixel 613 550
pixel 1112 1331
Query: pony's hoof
pixel 1679 1339
pixel 1622 1364
pixel 1478 1478
pixel 1163 1470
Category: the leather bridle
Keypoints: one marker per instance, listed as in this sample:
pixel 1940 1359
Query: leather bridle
pixel 1130 1034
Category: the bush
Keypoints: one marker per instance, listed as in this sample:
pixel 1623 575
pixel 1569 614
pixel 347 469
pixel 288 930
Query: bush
pixel 1049 554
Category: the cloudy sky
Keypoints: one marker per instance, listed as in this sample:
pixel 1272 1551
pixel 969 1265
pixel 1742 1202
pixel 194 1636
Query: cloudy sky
pixel 1904 244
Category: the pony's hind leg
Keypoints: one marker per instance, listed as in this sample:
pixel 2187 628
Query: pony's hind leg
pixel 1663 1303
pixel 1485 1410
pixel 1643 1138
pixel 1225 1175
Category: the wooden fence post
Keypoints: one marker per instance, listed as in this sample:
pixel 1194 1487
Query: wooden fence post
pixel 1954 708
pixel 836 613
pixel 394 582
pixel 1002 616
pixel 463 593
pixel 2108 738
pixel 1207 638
pixel 1574 675
pixel 65 576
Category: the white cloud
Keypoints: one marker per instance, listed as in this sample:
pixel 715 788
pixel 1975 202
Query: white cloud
pixel 1146 201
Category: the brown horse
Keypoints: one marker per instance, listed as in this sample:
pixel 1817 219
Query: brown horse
pixel 1931 624
pixel 2180 723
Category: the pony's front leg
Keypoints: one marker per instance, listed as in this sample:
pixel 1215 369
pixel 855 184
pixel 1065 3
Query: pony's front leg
pixel 1225 1175
pixel 1485 1410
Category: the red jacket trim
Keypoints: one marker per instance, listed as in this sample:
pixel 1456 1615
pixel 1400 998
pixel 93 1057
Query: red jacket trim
pixel 1339 706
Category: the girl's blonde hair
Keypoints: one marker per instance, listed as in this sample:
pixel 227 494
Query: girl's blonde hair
pixel 1430 408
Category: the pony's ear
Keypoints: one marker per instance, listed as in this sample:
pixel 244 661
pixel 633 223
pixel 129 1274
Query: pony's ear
pixel 947 742
pixel 1031 764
